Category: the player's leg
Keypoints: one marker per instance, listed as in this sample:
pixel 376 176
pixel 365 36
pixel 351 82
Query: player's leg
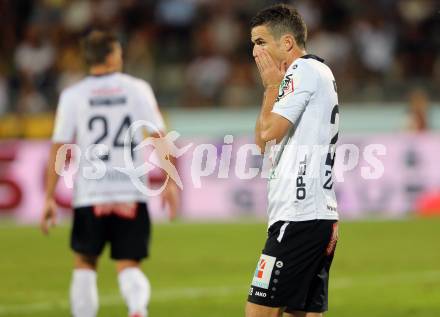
pixel 134 286
pixel 83 288
pixel 293 270
pixel 255 310
pixel 87 241
pixel 326 236
pixel 129 245
pixel 270 288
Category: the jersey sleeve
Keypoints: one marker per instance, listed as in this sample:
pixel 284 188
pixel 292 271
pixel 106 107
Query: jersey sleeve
pixel 64 130
pixel 295 91
pixel 150 109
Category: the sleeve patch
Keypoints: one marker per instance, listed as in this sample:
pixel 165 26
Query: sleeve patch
pixel 286 87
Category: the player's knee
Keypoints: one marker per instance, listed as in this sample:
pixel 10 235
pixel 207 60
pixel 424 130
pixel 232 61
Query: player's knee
pixel 83 261
pixel 254 310
pixel 250 311
pixel 121 265
pixel 294 313
pixel 313 315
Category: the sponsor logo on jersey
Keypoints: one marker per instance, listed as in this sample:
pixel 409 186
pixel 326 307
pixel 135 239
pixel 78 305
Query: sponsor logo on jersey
pixel 108 101
pixel 263 272
pixel 286 87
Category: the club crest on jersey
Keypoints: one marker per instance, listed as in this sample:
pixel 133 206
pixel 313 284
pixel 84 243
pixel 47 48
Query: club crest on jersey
pixel 263 272
pixel 286 87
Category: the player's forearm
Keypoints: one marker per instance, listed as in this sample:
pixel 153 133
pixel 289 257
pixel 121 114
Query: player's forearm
pixel 51 174
pixel 258 140
pixel 265 119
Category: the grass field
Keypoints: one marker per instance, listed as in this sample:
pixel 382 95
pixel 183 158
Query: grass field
pixel 389 269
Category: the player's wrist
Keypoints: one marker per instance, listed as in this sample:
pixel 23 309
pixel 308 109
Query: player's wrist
pixel 272 86
pixel 171 183
pixel 49 198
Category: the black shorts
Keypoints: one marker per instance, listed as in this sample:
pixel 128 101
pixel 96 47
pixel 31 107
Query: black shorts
pixel 293 271
pixel 128 238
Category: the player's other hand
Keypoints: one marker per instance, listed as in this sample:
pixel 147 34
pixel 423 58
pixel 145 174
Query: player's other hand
pixel 170 199
pixel 49 216
pixel 271 73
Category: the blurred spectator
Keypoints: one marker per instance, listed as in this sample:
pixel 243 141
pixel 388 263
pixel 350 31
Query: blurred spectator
pixel 4 95
pixel 240 89
pixel 310 13
pixel 226 29
pixel 71 67
pixel 34 56
pixel 205 77
pixel 376 43
pixel 177 13
pixel 139 58
pixel 105 12
pixel 31 100
pixel 417 45
pixel 333 47
pixel 77 15
pixel 418 111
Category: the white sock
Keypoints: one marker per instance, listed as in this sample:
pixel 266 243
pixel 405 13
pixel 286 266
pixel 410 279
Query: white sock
pixel 136 290
pixel 84 293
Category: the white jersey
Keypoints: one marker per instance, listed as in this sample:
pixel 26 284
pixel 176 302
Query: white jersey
pixel 99 110
pixel 301 183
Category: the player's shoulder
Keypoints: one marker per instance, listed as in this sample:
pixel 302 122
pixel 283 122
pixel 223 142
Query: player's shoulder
pixel 314 64
pixel 311 67
pixel 74 90
pixel 135 82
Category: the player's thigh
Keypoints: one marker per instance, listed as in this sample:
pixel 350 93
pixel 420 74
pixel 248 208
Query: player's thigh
pixel 88 233
pixel 255 310
pixel 130 237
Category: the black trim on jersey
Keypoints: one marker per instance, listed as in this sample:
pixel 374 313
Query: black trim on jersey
pixel 103 75
pixel 312 56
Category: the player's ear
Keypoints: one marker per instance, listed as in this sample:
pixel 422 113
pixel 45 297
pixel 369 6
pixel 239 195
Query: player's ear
pixel 288 42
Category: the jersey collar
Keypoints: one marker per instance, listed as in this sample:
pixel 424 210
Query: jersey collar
pixel 103 75
pixel 312 56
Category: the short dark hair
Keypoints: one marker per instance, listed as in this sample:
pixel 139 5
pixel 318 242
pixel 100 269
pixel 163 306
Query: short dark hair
pixel 97 45
pixel 282 19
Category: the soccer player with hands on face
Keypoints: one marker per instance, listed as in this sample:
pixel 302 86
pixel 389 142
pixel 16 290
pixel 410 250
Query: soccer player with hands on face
pixel 300 115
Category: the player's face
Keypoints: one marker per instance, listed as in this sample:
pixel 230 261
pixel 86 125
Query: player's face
pixel 263 39
pixel 114 60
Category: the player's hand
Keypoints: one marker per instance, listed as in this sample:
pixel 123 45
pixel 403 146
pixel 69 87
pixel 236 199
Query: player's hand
pixel 49 216
pixel 170 198
pixel 271 73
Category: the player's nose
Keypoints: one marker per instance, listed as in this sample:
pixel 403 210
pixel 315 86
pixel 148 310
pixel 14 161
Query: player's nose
pixel 255 50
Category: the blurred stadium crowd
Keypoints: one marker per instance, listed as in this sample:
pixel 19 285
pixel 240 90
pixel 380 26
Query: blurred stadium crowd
pixel 197 53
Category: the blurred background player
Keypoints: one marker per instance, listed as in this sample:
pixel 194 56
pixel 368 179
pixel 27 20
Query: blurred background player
pixel 300 112
pixel 99 110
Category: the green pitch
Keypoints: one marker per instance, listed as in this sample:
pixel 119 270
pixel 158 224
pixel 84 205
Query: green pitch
pixel 381 269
